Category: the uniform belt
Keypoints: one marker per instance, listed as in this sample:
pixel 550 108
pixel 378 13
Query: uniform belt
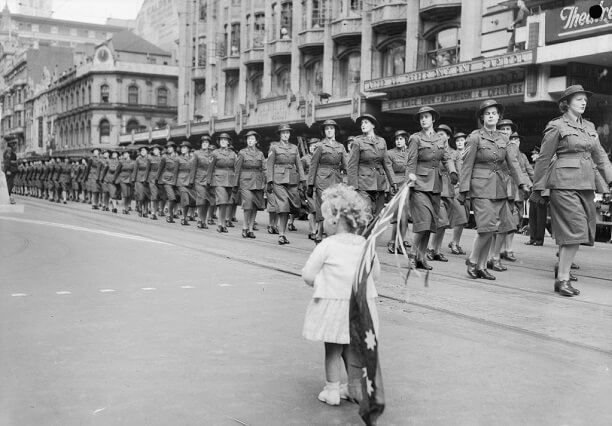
pixel 371 165
pixel 223 168
pixel 287 165
pixel 250 168
pixel 495 168
pixel 330 167
pixel 584 154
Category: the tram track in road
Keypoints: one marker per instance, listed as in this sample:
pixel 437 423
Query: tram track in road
pixel 384 293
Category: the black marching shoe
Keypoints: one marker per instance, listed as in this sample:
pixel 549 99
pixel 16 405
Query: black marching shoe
pixel 472 269
pixel 508 255
pixel 245 233
pixel 483 273
pixel 291 227
pixel 169 219
pixel 251 234
pixel 496 265
pixel 184 222
pixel 125 211
pixel 153 217
pixel 564 288
pixel 114 211
pixel 439 257
pixel 282 240
pixel 229 224
pixel 211 222
pixel 422 264
pixel 455 248
pixel 220 229
pixel 391 248
pixel 202 225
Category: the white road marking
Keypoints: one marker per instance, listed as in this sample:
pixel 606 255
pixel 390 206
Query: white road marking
pixel 260 282
pixel 225 285
pixel 148 288
pixel 106 290
pixel 99 409
pixel 61 293
pixel 80 228
pixel 187 286
pixel 19 295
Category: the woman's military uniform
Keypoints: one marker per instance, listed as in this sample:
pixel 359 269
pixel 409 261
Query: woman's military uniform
pixel 565 167
pixel 168 174
pixel 96 165
pixel 205 194
pixel 250 178
pixel 156 189
pixel 140 178
pixel 184 184
pixel 110 176
pixel 124 176
pixel 328 163
pixel 221 175
pixel 285 172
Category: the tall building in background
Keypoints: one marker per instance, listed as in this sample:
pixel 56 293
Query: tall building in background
pixel 40 8
pixel 158 22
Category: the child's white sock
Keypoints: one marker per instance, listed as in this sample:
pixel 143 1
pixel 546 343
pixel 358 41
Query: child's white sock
pixel 330 393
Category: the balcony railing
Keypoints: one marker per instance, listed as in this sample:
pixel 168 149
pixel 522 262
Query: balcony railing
pixel 389 14
pixel 442 57
pixel 309 38
pixel 252 56
pixel 198 73
pixel 346 28
pixel 230 63
pixel 279 47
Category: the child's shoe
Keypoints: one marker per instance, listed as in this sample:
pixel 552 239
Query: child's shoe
pixel 330 393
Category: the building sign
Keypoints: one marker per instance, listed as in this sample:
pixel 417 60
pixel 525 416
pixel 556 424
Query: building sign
pixel 504 90
pixel 493 63
pixel 572 22
pixel 271 111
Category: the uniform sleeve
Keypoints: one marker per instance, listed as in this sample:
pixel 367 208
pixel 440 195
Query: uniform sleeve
pixel 352 166
pixel 211 169
pixel 103 172
pixel 160 169
pixel 134 172
pixel 412 156
pixel 314 165
pixel 237 168
pixel 513 150
pixel 264 165
pixel 469 157
pixel 176 172
pixel 148 170
pixel 388 167
pixel 528 168
pixel 298 164
pixel 550 142
pixel 315 263
pixel 270 165
pixel 194 169
pixel 602 162
pixel 449 162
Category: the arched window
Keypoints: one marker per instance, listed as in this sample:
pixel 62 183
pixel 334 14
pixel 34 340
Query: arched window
pixel 393 58
pixel 286 19
pixel 162 96
pixel 259 28
pixel 349 74
pixel 104 94
pixel 254 84
pixel 104 128
pixel 231 92
pixel 281 80
pixel 314 76
pixel 133 95
pixel 248 30
pixel 443 47
pixel 87 139
pixel 132 124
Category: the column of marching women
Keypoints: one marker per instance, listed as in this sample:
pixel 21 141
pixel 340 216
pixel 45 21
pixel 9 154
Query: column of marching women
pixel 458 175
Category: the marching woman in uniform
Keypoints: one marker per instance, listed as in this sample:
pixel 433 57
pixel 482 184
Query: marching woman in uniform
pixel 456 146
pixel 426 150
pixel 205 194
pixel 284 175
pixel 452 213
pixel 571 180
pixel 155 189
pixel 368 169
pixel 328 163
pixel 124 177
pixel 110 176
pixel 250 180
pixel 485 184
pixel 64 179
pixel 183 181
pixel 105 194
pixel 94 177
pixel 168 173
pixel 304 195
pixel 83 171
pixel 399 157
pixel 221 178
pixel 141 184
pixel 55 176
pixel 74 180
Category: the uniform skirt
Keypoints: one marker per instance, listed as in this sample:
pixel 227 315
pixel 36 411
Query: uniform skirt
pixel 425 210
pixel 114 191
pixel 94 186
pixel 188 196
pixel 446 209
pixel 252 199
pixel 126 190
pixel 223 195
pixel 287 198
pixel 457 216
pixel 76 185
pixel 327 320
pixel 65 186
pixel 317 198
pixel 491 215
pixel 170 192
pixel 573 216
pixel 142 191
pixel 204 195
pixel 271 202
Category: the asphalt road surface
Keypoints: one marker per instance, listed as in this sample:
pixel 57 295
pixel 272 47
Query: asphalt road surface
pixel 116 320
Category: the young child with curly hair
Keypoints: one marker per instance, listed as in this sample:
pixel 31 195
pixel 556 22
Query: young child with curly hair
pixel 331 269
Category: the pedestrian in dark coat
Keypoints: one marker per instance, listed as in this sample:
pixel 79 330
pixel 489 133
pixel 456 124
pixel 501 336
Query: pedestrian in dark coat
pixel 484 183
pixel 308 196
pixel 328 163
pixel 10 168
pixel 250 175
pixel 284 176
pixel 221 178
pixel 140 177
pixel 205 194
pixel 368 169
pixel 569 148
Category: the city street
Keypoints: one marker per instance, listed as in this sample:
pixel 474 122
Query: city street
pixel 116 320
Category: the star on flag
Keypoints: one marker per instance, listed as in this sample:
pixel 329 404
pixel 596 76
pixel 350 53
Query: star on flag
pixel 369 387
pixel 370 340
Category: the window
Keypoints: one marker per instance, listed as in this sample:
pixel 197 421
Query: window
pixel 162 96
pixel 281 80
pixel 54 30
pixel 254 84
pixel 231 92
pixel 349 69
pixel 104 94
pixel 273 20
pixel 443 48
pixel 259 29
pixel 356 5
pixel 104 128
pixel 304 15
pixel 248 32
pixel 35 28
pixel 203 7
pixel 319 9
pixel 314 76
pixel 286 20
pixel 202 52
pixel 133 95
pixel 235 37
pixel 132 124
pixel 40 132
pixel 91 34
pixel 73 32
pixel 394 58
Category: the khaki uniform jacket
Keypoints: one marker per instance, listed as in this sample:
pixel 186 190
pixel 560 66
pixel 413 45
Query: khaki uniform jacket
pixel 368 167
pixel 110 171
pixel 306 160
pixel 399 161
pixel 481 173
pixel 327 164
pixel 125 171
pixel 155 169
pixel 141 170
pixel 221 169
pixel 56 171
pixel 82 173
pixel 65 171
pixel 250 169
pixel 96 165
pixel 574 145
pixel 186 167
pixel 425 153
pixel 283 165
pixel 448 189
pixel 202 159
pixel 168 169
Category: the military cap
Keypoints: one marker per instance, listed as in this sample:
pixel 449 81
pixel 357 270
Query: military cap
pixel 313 141
pixel 252 133
pixel 446 129
pixel 224 136
pixel 403 133
pixel 170 144
pixel 205 138
pixel 329 123
pixel 284 128
pixel 95 148
pixel 368 117
pixel 141 147
pixel 507 122
pixel 185 144
pixel 459 135
pixel 572 90
pixel 515 135
pixel 435 114
pixel 489 103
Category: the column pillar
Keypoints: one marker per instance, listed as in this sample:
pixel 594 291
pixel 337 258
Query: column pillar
pixel 470 35
pixel 413 25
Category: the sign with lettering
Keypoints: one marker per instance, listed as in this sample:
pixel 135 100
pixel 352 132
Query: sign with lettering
pixel 492 63
pixel 504 90
pixel 573 22
pixel 271 111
